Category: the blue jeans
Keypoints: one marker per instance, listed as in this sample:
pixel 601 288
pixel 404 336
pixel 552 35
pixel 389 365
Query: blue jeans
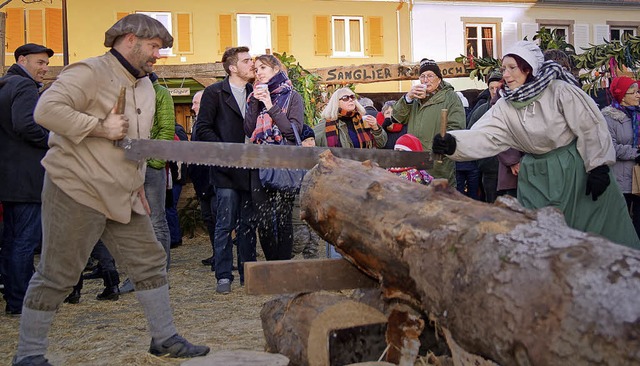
pixel 332 253
pixel 208 210
pixel 155 189
pixel 172 215
pixel 468 179
pixel 234 209
pixel 22 235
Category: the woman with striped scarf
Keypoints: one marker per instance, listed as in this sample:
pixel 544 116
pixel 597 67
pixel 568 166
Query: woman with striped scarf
pixel 346 124
pixel 273 110
pixel 565 137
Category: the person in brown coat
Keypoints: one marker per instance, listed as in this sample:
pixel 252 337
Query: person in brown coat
pixel 91 191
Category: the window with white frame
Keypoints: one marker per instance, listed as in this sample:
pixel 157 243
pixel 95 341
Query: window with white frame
pixel 616 33
pixel 347 36
pixel 254 31
pixel 163 17
pixel 480 40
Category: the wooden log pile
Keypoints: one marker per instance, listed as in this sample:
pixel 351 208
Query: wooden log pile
pixel 518 287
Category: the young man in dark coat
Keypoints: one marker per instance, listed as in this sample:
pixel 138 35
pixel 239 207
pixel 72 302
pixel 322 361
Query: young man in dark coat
pixel 221 117
pixel 23 143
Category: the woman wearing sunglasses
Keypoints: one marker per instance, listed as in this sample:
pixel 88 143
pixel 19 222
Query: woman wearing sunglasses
pixel 346 124
pixel 273 110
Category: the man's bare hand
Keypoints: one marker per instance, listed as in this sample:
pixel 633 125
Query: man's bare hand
pixel 114 127
pixel 417 91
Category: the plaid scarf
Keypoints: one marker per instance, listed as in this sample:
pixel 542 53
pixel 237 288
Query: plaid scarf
pixel 550 70
pixel 266 132
pixel 364 137
pixel 413 175
pixel 632 112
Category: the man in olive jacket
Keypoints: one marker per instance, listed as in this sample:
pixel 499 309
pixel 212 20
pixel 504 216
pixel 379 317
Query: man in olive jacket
pixel 23 144
pixel 420 110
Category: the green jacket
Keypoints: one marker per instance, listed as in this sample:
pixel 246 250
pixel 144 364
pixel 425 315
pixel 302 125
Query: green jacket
pixel 379 136
pixel 164 127
pixel 423 120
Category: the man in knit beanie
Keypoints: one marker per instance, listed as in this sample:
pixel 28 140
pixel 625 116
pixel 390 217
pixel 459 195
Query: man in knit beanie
pixel 421 111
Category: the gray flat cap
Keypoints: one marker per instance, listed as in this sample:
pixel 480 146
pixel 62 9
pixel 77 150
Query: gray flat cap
pixel 140 25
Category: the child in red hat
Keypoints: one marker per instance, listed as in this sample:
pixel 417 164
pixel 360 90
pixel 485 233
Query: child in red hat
pixel 408 142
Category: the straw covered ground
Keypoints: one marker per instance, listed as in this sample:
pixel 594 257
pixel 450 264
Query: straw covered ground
pixel 114 332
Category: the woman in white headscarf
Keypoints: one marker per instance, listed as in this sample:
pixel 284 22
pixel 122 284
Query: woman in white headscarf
pixel 565 137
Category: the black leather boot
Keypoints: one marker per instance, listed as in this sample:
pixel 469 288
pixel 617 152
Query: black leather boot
pixel 74 296
pixel 109 293
pixel 111 281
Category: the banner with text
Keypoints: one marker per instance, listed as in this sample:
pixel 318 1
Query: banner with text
pixel 372 73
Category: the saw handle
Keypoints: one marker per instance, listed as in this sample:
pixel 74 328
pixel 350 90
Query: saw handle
pixel 444 116
pixel 120 107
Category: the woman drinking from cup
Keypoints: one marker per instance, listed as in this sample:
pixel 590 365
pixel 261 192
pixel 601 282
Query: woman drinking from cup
pixel 273 110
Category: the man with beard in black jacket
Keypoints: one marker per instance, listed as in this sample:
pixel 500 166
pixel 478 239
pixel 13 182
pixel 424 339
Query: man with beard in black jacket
pixel 220 119
pixel 23 143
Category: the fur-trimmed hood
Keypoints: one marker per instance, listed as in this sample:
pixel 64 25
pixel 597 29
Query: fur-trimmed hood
pixel 614 114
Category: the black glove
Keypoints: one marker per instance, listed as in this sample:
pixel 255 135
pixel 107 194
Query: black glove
pixel 443 145
pixel 597 181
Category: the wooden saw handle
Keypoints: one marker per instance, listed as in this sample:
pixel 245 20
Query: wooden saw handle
pixel 444 119
pixel 444 116
pixel 120 106
pixel 122 100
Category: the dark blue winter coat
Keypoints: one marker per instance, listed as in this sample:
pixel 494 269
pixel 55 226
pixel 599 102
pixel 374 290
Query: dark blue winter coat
pixel 23 143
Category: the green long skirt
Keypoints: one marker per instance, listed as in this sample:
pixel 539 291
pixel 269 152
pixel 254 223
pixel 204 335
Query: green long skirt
pixel 558 179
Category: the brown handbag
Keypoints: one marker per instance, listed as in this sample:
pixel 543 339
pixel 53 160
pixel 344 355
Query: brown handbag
pixel 635 182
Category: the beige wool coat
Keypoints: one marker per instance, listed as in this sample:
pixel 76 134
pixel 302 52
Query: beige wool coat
pixel 91 170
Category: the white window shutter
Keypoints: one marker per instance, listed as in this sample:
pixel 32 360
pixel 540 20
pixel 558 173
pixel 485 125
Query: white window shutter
pixel 529 30
pixel 580 37
pixel 600 33
pixel 509 35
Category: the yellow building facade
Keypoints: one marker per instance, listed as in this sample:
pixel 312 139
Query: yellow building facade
pixel 319 33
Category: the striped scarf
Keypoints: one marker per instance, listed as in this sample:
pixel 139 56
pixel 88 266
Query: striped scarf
pixel 364 137
pixel 549 71
pixel 266 132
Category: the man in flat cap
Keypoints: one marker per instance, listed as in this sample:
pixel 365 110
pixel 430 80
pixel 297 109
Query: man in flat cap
pixel 23 144
pixel 92 192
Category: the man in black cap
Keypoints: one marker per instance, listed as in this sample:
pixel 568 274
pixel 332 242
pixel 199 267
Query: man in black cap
pixel 23 144
pixel 92 192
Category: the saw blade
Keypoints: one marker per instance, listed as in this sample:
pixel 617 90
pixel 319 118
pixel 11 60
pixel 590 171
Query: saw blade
pixel 265 156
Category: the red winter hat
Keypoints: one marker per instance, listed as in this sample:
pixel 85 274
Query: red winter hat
pixel 408 142
pixel 619 87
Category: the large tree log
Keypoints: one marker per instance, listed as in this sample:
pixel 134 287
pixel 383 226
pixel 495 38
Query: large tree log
pixel 516 286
